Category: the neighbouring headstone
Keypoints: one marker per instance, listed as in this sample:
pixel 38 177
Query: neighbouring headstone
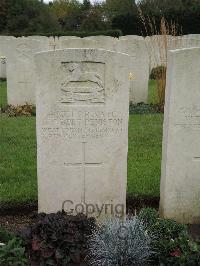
pixel 62 38
pixel 195 36
pixel 139 72
pixel 180 182
pixel 2 67
pixel 20 70
pixel 134 46
pixel 5 42
pixel 54 43
pixel 82 131
pixel 47 41
pixel 157 46
pixel 131 37
pixel 104 42
pixel 78 43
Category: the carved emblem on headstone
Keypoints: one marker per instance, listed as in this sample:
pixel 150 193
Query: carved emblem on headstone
pixel 83 83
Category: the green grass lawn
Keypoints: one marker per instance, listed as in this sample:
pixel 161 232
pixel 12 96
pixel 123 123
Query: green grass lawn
pixel 18 182
pixel 3 93
pixel 152 97
pixel 144 155
pixel 18 159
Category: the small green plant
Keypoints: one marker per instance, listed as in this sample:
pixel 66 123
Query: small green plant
pixel 170 239
pixel 143 108
pixel 13 253
pixel 157 72
pixel 114 33
pixel 19 110
pixel 120 243
pixel 5 236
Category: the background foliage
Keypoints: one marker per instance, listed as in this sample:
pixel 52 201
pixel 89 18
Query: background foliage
pixel 34 16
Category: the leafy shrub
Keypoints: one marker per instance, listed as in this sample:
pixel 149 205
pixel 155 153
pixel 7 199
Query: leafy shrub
pixel 113 33
pixel 143 108
pixel 5 236
pixel 119 243
pixel 12 253
pixel 57 239
pixel 148 216
pixel 20 110
pixel 170 239
pixel 157 72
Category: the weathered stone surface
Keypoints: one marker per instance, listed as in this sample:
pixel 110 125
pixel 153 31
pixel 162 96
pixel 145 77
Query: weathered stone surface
pixel 132 45
pixel 131 37
pixel 104 42
pixel 82 130
pixel 158 45
pixel 139 73
pixel 2 67
pixel 21 71
pixel 180 182
pixel 5 42
pixel 79 43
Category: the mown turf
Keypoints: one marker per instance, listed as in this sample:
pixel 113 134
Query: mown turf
pixel 144 158
pixel 152 97
pixel 18 182
pixel 17 159
pixel 3 93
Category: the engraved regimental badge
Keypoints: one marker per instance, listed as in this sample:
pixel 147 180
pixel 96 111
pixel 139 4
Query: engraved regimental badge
pixel 83 83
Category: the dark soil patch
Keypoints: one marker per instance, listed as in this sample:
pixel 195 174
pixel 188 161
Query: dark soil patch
pixel 16 216
pixel 18 208
pixel 14 223
pixel 134 205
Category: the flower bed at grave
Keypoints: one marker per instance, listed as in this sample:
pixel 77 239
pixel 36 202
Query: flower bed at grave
pixel 60 239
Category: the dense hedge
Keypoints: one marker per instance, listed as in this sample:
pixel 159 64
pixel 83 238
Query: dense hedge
pixel 112 33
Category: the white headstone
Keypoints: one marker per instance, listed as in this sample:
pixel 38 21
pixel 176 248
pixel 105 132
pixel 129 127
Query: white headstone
pixel 78 43
pixel 139 72
pixel 2 67
pixel 62 38
pixel 5 42
pixel 20 70
pixel 192 36
pixel 104 42
pixel 131 37
pixel 82 131
pixel 180 182
pixel 43 39
pixel 157 46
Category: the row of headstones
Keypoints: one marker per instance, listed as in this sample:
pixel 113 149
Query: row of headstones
pixel 21 73
pixel 158 45
pixel 145 53
pixel 82 133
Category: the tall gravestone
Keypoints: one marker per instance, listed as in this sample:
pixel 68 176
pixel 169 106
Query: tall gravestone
pixel 79 43
pixel 104 42
pixel 2 67
pixel 20 70
pixel 82 131
pixel 5 42
pixel 139 71
pixel 180 182
pixel 134 46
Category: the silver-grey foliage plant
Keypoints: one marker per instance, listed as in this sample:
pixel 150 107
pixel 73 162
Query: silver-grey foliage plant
pixel 119 243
